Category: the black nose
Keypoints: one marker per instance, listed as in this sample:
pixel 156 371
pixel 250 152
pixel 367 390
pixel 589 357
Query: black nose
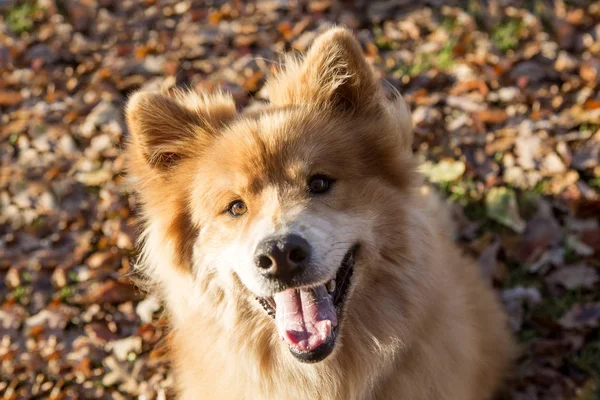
pixel 282 257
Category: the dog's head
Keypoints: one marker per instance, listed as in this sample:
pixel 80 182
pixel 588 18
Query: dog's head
pixel 297 199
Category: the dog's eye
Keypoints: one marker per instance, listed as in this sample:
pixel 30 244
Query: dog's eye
pixel 319 184
pixel 237 208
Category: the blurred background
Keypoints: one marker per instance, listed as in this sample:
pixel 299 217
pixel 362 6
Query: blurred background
pixel 507 114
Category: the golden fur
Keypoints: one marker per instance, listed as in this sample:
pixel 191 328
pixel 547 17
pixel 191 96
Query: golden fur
pixel 419 322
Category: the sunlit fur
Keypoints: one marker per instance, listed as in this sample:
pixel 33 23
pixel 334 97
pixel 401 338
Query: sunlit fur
pixel 418 323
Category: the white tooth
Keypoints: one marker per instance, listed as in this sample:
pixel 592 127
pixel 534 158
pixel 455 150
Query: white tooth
pixel 327 330
pixel 331 286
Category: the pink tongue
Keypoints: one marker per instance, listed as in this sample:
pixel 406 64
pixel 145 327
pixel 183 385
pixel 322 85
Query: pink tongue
pixel 305 317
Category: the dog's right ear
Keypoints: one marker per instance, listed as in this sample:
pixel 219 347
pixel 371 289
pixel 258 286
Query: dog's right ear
pixel 334 72
pixel 166 129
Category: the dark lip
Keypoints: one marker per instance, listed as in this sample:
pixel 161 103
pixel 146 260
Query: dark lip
pixel 343 279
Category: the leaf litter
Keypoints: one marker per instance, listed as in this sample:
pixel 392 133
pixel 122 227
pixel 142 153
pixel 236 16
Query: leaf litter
pixel 507 123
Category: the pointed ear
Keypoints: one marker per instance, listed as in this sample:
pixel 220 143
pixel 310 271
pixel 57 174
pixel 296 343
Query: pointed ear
pixel 166 129
pixel 334 72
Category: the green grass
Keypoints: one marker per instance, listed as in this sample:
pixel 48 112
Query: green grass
pixel 527 334
pixel 518 275
pixel 26 275
pixel 542 186
pixel 39 222
pixel 419 65
pixel 474 8
pixel 464 192
pixel 528 203
pixel 588 358
pixel 74 276
pixel 544 13
pixel 505 35
pixel 474 211
pixel 498 156
pixel 423 62
pixel 570 256
pixel 449 24
pixel 66 293
pixel 445 58
pixel 19 293
pixel 554 307
pixel 588 127
pixel 12 139
pixel 20 17
pixel 589 391
pixel 530 195
pixel 381 42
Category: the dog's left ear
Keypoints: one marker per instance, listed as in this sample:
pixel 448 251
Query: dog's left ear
pixel 168 128
pixel 334 72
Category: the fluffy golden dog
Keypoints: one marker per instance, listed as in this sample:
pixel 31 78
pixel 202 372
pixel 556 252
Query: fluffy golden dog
pixel 295 253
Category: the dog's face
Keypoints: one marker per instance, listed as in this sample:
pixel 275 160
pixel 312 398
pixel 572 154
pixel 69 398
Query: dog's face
pixel 286 198
pixel 275 202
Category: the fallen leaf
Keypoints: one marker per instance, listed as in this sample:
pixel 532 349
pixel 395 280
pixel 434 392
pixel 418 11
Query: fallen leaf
pixel 588 156
pixel 100 332
pixel 527 149
pixel 147 307
pixel 51 319
pixel 542 232
pixel 589 391
pixel 582 249
pixel 554 257
pixel 501 206
pixel 492 116
pixel 552 164
pixel 113 292
pixel 444 171
pixel 591 104
pixel 102 258
pixel 488 260
pixel 573 277
pixel 590 70
pixel 94 178
pixel 122 347
pixel 516 299
pixel 582 316
pixel 591 238
pixel 10 98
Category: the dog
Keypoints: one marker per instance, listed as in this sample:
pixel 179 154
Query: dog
pixel 295 251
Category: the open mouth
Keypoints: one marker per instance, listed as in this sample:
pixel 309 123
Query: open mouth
pixel 308 318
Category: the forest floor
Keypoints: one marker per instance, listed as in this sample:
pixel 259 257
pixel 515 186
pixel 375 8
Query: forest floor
pixel 506 110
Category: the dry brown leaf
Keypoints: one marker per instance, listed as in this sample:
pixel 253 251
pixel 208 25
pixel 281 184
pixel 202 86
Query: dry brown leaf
pixel 582 316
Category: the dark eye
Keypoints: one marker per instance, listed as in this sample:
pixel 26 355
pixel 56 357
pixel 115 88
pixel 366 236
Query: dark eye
pixel 237 208
pixel 319 184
